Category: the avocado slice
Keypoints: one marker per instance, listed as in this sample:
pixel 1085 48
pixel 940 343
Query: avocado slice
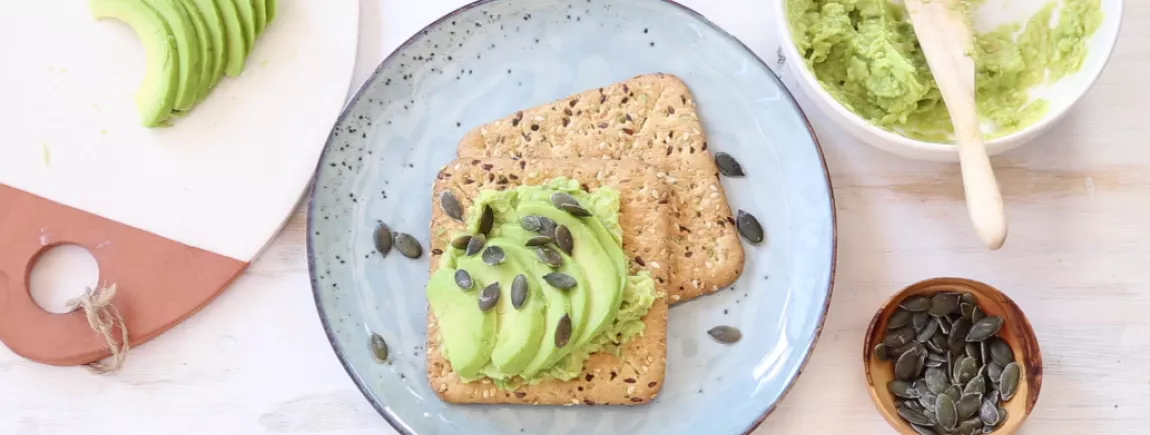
pixel 214 25
pixel 467 334
pixel 272 10
pixel 518 331
pixel 237 44
pixel 187 50
pixel 558 303
pixel 156 95
pixel 605 274
pixel 259 13
pixel 207 57
pixel 248 19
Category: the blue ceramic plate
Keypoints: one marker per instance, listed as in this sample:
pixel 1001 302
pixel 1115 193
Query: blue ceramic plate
pixel 492 58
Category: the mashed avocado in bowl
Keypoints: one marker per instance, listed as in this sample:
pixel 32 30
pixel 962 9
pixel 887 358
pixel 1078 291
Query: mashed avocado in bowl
pixel 865 55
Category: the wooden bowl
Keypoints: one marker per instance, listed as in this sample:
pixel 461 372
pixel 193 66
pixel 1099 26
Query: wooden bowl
pixel 1016 331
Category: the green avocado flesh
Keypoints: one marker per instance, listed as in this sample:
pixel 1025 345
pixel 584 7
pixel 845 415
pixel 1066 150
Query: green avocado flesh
pixel 190 46
pixel 157 92
pixel 865 54
pixel 248 20
pixel 512 346
pixel 237 41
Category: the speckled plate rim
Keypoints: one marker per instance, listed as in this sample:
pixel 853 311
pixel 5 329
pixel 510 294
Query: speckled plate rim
pixel 325 319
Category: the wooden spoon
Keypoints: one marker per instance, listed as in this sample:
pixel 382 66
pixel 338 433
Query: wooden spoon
pixel 946 40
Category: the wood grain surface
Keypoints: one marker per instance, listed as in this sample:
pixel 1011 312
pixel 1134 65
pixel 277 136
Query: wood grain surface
pixel 1077 261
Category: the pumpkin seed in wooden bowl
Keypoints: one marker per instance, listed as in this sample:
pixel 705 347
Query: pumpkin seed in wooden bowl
pixel 952 356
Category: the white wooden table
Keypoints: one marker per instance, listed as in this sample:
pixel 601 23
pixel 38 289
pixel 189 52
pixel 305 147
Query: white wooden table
pixel 1077 261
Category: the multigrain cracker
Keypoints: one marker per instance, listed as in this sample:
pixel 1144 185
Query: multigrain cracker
pixel 636 377
pixel 650 118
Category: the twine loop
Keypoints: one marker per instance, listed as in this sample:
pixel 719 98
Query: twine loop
pixel 105 319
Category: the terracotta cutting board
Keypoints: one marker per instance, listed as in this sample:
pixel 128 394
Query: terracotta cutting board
pixel 172 215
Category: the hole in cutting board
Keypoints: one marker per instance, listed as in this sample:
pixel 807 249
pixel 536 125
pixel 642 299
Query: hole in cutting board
pixel 60 274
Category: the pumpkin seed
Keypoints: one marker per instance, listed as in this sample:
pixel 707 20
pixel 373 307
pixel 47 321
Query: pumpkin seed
pixel 560 281
pixel 563 331
pixel 993 373
pixel 965 370
pixel 486 220
pixel 920 388
pixel 957 338
pixel 907 366
pixel 530 223
pixel 919 320
pixel 977 314
pixel 463 279
pixel 985 328
pixel 969 426
pixel 489 296
pixel 461 241
pixel 912 404
pixel 382 238
pixel 450 205
pixel 475 244
pixel 494 255
pixel 988 412
pixel 916 304
pixel 912 346
pixel 969 298
pixel 923 430
pixel 930 414
pixel 942 304
pixel 1000 352
pixel 968 310
pixel 519 291
pixel 749 227
pixel 943 324
pixel 936 357
pixel 974 351
pixel 899 337
pixel 882 352
pixel 575 210
pixel 548 256
pixel 538 241
pixel 927 332
pixel 563 239
pixel 559 199
pixel 1002 415
pixel 914 417
pixel 569 204
pixel 725 334
pixel 968 406
pixel 898 319
pixel 407 245
pixel 933 364
pixel 901 389
pixel 936 380
pixel 938 343
pixel 728 166
pixel 954 392
pixel 378 348
pixel 976 385
pixel 547 227
pixel 945 412
pixel 927 400
pixel 1008 385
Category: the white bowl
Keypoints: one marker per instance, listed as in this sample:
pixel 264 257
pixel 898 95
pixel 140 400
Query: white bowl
pixel 1062 95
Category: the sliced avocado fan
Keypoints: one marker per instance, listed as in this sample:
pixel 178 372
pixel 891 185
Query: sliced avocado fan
pixel 190 46
pixel 157 92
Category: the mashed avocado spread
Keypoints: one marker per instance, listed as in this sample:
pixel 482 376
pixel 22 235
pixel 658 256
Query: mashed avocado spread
pixel 554 330
pixel 864 53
